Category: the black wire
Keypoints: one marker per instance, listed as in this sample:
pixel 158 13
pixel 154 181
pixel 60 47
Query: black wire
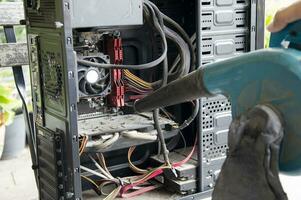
pixel 186 38
pixel 182 33
pixel 175 38
pixel 195 112
pixel 172 37
pixel 155 12
pixel 162 142
pixel 183 68
pixel 164 149
pixel 95 189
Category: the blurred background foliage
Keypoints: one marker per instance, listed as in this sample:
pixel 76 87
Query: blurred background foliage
pixel 20 31
pixel 6 77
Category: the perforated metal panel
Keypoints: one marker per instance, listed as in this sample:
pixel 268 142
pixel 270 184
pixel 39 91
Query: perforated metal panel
pixel 226 28
pixel 219 19
pixel 218 47
pixel 215 119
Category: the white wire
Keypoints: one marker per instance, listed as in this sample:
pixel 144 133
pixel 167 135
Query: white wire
pixel 101 169
pixel 152 136
pixel 93 172
pixel 103 144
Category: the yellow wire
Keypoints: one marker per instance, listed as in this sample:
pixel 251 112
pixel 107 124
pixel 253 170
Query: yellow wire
pixel 132 166
pixel 148 85
pixel 150 173
pixel 113 194
pixel 83 145
pixel 137 79
pixel 90 180
pixel 147 173
pixel 102 161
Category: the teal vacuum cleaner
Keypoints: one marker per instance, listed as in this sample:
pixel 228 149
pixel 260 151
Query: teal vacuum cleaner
pixel 269 77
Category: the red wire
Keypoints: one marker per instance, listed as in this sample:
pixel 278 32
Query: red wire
pixel 124 189
pixel 140 191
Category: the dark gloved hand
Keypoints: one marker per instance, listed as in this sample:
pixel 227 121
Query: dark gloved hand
pixel 251 171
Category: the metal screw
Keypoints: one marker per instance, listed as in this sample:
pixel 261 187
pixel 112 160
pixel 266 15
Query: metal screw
pixel 75 138
pixel 67 5
pixel 76 170
pixel 69 195
pixel 58 24
pixel 61 186
pixel 70 75
pixel 72 107
pixel 60 174
pixel 69 40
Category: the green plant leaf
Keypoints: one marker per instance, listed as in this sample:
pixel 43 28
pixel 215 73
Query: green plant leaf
pixel 8 117
pixel 4 100
pixel 7 104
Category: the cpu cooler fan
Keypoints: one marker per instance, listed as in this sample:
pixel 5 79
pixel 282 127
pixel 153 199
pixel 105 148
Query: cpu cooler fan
pixel 94 81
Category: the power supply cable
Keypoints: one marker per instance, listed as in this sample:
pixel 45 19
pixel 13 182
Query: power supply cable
pixel 157 18
pixel 184 54
pixel 102 162
pixel 181 66
pixel 178 37
pixel 151 64
pixel 186 38
pixel 164 149
pixel 156 112
pixel 182 33
pixel 154 173
pixel 154 11
pixel 104 172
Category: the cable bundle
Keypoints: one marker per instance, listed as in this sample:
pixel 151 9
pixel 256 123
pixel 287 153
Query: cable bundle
pixel 135 84
pixel 166 28
pixel 127 187
pixel 83 143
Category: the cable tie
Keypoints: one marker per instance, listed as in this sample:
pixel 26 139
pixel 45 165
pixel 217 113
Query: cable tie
pixel 120 181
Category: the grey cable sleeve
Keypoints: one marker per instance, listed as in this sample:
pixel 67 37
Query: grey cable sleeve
pixel 135 67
